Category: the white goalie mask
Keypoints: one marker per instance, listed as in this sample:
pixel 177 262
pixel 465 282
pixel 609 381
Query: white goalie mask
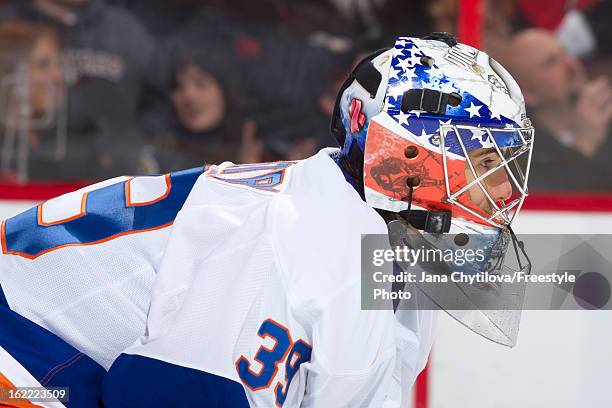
pixel 442 135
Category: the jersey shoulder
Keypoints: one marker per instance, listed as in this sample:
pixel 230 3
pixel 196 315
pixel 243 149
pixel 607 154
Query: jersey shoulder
pixel 98 213
pixel 265 178
pixel 317 227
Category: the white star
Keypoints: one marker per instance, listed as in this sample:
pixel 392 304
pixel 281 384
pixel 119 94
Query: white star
pixel 410 74
pixel 414 59
pixel 448 122
pixel 477 134
pixel 402 118
pixel 405 64
pixel 494 112
pixel 423 133
pixel 473 110
pixel 401 42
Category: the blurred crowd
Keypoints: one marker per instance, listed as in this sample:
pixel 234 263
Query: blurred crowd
pixel 90 89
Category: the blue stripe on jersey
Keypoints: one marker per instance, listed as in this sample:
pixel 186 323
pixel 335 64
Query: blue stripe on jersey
pixel 138 381
pixel 107 216
pixel 3 301
pixel 50 360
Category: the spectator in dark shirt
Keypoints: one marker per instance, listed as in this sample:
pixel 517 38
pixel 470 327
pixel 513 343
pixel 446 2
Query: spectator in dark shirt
pixel 280 77
pixel 205 119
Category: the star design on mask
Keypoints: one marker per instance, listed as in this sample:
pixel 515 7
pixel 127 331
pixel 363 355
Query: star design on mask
pixel 405 64
pixel 447 86
pixel 477 134
pixel 444 123
pixel 410 75
pixel 424 133
pixel 402 119
pixel 474 110
pixel 495 114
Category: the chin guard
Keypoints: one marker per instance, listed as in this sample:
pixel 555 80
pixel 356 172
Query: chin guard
pixel 490 310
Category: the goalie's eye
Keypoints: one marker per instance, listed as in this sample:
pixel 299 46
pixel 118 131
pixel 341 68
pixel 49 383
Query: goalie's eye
pixel 488 163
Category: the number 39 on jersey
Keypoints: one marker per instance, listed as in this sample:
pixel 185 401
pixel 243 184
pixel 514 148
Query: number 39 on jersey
pixel 284 350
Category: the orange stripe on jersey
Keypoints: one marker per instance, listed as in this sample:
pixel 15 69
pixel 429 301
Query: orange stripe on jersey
pixel 2 239
pixel 5 384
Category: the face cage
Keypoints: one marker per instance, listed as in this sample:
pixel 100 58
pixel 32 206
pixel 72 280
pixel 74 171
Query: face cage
pixel 504 211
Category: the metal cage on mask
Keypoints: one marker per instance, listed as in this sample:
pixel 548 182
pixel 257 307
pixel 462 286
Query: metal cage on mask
pixel 511 146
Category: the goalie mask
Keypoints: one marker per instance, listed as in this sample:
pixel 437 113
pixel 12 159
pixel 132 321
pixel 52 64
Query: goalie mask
pixel 436 134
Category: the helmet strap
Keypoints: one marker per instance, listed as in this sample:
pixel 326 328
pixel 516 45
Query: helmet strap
pixel 433 222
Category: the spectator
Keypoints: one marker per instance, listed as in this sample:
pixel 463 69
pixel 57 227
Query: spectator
pixel 280 77
pixel 35 47
pixel 106 53
pixel 572 115
pixel 32 94
pixel 206 116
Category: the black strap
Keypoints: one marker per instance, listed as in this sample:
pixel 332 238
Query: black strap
pixel 429 100
pixel 368 76
pixel 434 222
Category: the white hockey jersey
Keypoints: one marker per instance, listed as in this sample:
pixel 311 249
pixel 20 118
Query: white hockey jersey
pixel 256 293
pixel 82 265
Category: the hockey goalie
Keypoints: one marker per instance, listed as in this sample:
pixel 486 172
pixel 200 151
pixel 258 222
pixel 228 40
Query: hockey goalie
pixel 239 285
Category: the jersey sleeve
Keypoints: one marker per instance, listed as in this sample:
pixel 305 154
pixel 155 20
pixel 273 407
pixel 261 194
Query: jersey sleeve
pixel 82 265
